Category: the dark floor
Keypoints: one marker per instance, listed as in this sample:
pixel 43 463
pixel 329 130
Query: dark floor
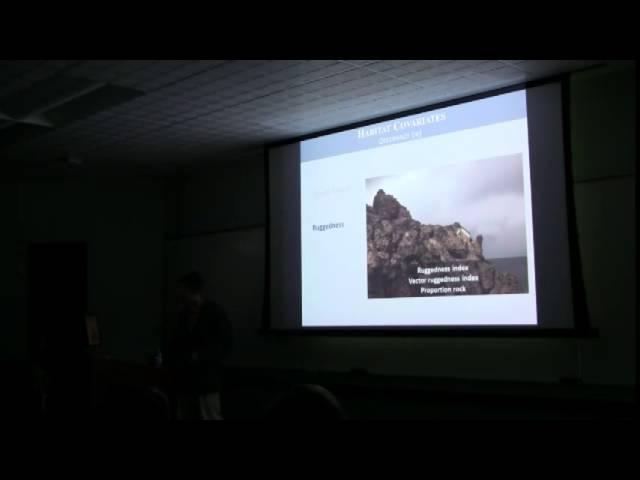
pixel 249 392
pixel 444 400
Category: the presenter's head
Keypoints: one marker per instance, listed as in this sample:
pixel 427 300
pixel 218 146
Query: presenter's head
pixel 190 288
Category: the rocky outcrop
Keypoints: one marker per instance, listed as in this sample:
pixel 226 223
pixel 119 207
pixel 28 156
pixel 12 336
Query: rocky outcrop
pixel 397 245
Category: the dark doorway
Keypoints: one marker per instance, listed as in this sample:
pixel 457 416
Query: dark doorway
pixel 57 305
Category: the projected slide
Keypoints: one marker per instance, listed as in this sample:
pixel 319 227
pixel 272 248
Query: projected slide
pixel 421 220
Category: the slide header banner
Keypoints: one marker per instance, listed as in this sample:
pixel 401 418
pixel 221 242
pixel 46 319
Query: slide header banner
pixel 487 111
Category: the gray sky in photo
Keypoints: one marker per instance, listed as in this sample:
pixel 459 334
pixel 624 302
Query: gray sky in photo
pixel 485 196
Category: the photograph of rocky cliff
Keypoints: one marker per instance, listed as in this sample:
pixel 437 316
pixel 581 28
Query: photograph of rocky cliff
pixel 415 257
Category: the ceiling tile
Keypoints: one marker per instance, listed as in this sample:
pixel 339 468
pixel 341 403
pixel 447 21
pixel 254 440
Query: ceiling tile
pixel 193 109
